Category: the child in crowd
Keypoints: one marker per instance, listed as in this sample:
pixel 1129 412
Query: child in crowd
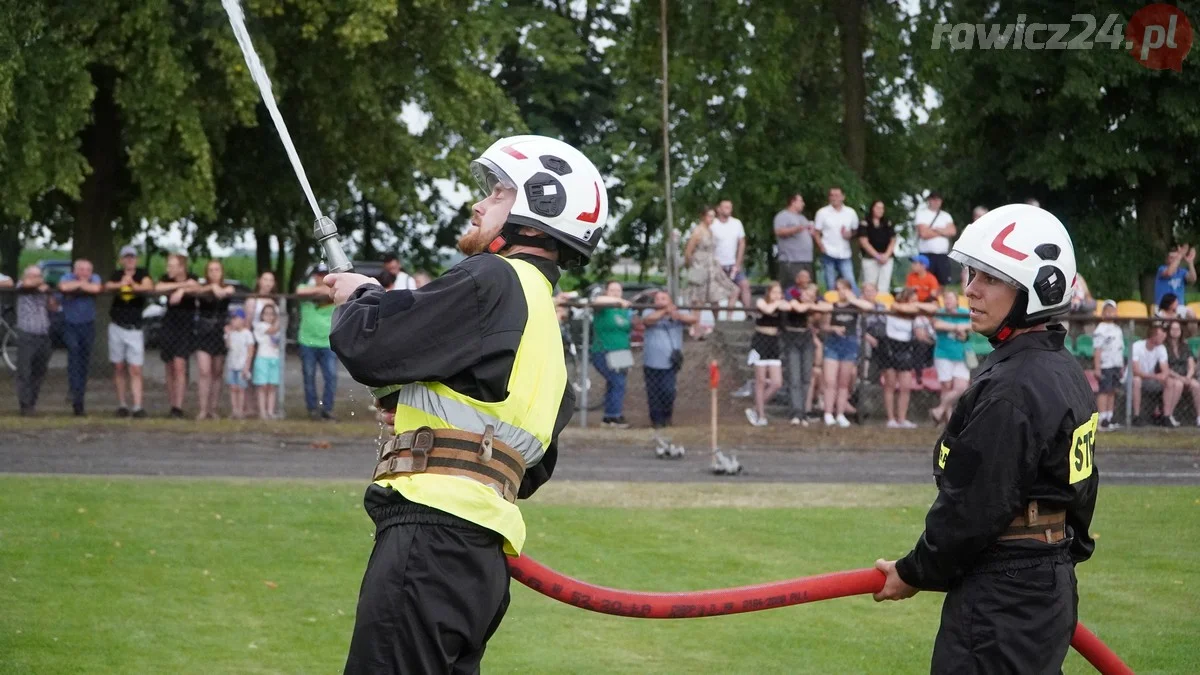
pixel 921 280
pixel 1108 354
pixel 267 337
pixel 240 343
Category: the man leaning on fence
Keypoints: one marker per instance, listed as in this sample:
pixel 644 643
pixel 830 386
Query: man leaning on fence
pixel 662 355
pixel 316 318
pixel 34 305
pixel 79 288
pixel 126 342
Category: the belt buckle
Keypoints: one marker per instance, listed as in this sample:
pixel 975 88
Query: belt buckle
pixel 422 443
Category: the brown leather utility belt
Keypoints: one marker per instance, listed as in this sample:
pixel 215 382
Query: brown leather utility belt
pixel 449 452
pixel 1048 526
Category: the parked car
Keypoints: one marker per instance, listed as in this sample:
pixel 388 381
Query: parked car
pixel 53 270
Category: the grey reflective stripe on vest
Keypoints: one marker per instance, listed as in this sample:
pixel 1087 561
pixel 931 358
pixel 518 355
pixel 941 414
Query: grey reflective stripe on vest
pixel 462 416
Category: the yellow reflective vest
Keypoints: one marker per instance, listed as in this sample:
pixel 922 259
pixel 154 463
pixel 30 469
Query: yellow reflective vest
pixel 524 420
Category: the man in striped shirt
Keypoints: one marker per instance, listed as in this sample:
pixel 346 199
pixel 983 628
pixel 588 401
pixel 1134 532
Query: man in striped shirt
pixel 34 304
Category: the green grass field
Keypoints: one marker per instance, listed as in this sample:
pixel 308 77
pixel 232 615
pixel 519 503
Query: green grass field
pixel 221 576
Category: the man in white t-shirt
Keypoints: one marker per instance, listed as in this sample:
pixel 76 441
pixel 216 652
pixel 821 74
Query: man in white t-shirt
pixel 835 224
pixel 1151 376
pixel 935 227
pixel 729 247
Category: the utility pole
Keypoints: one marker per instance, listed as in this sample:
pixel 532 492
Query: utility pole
pixel 669 244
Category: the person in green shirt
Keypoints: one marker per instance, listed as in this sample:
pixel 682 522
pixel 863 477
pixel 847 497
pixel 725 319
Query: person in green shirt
pixel 612 324
pixel 316 317
pixel 950 354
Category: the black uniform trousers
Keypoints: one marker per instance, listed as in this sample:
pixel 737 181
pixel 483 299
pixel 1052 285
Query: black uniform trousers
pixel 1016 616
pixel 435 590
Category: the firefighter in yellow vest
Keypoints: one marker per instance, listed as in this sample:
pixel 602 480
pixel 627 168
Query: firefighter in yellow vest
pixel 482 397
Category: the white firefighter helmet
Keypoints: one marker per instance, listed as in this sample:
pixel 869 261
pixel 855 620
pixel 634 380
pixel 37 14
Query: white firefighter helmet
pixel 559 192
pixel 1028 248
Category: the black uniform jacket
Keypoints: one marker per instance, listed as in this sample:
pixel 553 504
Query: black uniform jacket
pixel 1024 430
pixel 461 329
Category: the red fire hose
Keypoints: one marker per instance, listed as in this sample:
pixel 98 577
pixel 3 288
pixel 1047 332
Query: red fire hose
pixel 745 599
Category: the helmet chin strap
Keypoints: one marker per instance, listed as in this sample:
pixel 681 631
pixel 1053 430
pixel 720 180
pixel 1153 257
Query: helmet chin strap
pixel 510 235
pixel 1015 320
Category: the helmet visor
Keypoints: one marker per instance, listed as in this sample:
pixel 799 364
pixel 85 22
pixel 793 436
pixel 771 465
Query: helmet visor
pixel 974 265
pixel 488 176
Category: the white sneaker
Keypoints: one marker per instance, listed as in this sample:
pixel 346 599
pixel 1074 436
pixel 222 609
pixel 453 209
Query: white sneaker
pixel 893 424
pixel 829 420
pixel 1198 421
pixel 752 417
pixel 795 421
pixel 762 421
pixel 907 425
pixel 842 421
pixel 745 391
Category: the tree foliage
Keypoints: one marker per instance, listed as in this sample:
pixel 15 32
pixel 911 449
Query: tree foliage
pixel 128 116
pixel 1100 140
pixel 756 114
pixel 142 111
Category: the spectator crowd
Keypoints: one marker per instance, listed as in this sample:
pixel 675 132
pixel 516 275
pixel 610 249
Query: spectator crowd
pixel 206 334
pixel 817 347
pixel 812 345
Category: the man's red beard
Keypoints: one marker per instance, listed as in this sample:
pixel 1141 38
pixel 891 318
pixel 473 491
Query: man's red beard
pixel 474 240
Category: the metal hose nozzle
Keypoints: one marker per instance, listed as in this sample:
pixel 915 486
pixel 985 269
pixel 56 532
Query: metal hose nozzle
pixel 326 234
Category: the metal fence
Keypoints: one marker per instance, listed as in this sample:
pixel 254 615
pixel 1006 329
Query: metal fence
pixel 893 375
pixel 796 377
pixel 195 357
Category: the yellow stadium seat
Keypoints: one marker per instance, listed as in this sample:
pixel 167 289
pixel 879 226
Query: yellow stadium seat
pixel 832 296
pixel 1195 308
pixel 963 302
pixel 1132 309
pixel 886 298
pixel 1100 307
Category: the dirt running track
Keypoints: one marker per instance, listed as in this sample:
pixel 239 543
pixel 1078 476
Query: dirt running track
pixel 152 453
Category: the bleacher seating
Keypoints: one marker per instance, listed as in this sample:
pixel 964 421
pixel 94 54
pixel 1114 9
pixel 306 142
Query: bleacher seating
pixel 1132 309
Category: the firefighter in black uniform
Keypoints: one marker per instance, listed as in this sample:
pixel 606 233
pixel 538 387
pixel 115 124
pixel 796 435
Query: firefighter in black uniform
pixel 471 368
pixel 1015 466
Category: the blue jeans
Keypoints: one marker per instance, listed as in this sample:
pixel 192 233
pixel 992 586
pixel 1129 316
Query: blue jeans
pixel 310 357
pixel 660 394
pixel 78 338
pixel 833 268
pixel 614 392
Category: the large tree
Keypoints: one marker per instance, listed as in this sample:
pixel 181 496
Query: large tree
pixel 135 111
pixel 765 102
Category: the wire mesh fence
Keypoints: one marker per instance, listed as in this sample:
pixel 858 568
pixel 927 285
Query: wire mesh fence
pixel 190 354
pixel 882 367
pixel 642 365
